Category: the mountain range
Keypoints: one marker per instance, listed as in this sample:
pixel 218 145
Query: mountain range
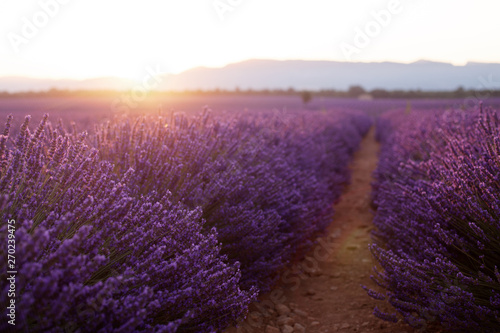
pixel 299 74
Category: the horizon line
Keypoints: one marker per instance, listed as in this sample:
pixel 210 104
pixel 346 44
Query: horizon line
pixel 244 61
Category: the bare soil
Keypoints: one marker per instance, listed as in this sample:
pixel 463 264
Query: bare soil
pixel 323 293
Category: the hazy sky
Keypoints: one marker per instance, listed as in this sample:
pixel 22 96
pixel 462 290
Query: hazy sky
pixel 91 38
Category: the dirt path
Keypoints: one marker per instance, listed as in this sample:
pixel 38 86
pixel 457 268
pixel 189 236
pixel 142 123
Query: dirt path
pixel 322 293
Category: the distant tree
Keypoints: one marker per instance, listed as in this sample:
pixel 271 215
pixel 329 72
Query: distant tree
pixel 380 93
pixel 355 91
pixel 306 97
pixel 398 93
pixel 459 92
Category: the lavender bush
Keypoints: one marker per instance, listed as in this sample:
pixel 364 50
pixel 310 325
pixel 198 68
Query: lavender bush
pixel 94 258
pixel 437 191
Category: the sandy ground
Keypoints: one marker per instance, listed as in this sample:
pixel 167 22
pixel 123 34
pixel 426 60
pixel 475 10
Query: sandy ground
pixel 322 293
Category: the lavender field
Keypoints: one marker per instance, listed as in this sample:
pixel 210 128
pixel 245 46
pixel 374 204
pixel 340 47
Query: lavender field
pixel 177 218
pixel 165 224
pixel 437 222
pixel 231 166
pixel 87 111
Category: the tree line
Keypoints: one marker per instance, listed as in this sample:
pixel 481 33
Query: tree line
pixel 354 91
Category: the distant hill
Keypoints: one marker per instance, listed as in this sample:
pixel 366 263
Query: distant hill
pixel 299 74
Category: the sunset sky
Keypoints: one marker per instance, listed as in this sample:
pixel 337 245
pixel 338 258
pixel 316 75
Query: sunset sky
pixel 84 39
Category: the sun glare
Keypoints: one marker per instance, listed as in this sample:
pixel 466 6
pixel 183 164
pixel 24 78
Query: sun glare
pixel 74 39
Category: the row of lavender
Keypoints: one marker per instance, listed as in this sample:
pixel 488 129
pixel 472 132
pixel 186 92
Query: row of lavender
pixel 437 235
pixel 164 224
